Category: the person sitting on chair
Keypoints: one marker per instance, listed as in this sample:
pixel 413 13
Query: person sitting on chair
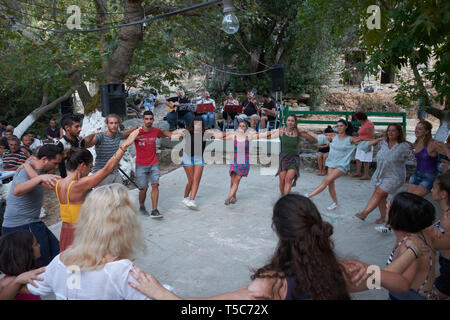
pixel 178 115
pixel 268 110
pixel 227 116
pixel 250 112
pixel 209 117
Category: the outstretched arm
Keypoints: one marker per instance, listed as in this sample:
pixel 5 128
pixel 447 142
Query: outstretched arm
pixel 126 133
pixel 307 134
pixel 149 286
pixel 90 140
pixel 375 141
pixel 18 285
pixel 87 183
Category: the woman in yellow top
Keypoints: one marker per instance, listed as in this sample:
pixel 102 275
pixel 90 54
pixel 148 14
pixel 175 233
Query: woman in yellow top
pixel 73 189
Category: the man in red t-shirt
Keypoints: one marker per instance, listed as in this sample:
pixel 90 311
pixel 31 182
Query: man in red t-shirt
pixel 147 166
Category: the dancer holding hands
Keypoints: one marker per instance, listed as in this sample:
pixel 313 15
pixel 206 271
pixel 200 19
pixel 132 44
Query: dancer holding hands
pixel 338 162
pixel 241 163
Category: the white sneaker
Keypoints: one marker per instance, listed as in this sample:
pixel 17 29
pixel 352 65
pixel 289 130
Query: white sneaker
pixel 383 229
pixel 332 206
pixel 185 200
pixel 43 213
pixel 191 204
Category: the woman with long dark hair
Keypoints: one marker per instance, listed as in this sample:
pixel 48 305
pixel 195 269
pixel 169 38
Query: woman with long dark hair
pixel 193 161
pixel 19 252
pixel 304 265
pixel 391 170
pixel 426 155
pixel 341 153
pixel 289 161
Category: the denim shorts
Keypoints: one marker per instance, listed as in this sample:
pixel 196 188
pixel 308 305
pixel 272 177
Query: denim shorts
pixel 192 160
pixel 144 173
pixel 423 179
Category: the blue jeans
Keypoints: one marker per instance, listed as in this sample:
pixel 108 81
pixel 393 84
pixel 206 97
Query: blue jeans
pixel 172 118
pixel 424 179
pixel 46 239
pixel 208 119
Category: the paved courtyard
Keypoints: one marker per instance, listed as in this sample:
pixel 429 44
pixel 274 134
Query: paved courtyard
pixel 213 249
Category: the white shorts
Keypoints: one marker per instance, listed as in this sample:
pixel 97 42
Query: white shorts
pixel 364 156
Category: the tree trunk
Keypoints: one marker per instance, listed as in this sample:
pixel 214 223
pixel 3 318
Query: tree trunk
pixel 442 115
pixel 33 116
pixel 129 38
pixel 429 108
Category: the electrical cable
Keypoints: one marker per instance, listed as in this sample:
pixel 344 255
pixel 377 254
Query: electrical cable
pixel 58 21
pixel 232 72
pixel 204 4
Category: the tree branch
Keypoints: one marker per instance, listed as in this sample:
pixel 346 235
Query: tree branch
pixel 429 108
pixel 38 112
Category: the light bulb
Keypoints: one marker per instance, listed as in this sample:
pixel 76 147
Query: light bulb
pixel 230 23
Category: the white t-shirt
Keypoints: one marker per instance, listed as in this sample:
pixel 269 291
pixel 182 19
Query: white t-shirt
pixel 109 283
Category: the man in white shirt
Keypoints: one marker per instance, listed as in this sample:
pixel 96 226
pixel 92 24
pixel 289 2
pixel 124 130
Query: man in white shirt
pixel 37 143
pixel 208 118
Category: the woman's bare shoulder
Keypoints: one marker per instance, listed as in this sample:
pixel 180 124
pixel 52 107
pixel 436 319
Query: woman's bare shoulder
pixel 273 288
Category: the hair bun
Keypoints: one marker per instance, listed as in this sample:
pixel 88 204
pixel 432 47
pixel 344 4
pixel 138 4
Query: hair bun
pixel 327 229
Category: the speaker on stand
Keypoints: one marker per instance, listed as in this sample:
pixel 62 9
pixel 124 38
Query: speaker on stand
pixel 113 99
pixel 67 106
pixel 278 86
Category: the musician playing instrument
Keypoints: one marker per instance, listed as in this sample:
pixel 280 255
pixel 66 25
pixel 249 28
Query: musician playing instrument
pixel 268 110
pixel 229 116
pixel 174 114
pixel 250 112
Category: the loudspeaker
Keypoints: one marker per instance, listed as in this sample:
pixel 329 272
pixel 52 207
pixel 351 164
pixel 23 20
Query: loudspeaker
pixel 277 77
pixel 113 99
pixel 67 106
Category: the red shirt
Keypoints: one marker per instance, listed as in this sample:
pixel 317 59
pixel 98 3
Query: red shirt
pixel 363 132
pixel 145 144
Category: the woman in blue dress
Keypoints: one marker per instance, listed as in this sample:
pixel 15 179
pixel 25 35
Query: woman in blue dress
pixel 338 162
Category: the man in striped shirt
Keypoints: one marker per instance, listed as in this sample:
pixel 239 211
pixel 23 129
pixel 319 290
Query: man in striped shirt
pixel 13 158
pixel 106 145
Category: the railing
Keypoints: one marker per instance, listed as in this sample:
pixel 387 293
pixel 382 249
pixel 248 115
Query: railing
pixel 285 112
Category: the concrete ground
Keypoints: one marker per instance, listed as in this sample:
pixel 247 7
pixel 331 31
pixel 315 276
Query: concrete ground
pixel 213 249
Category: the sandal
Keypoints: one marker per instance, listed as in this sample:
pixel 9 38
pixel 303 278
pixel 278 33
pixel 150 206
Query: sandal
pixel 359 216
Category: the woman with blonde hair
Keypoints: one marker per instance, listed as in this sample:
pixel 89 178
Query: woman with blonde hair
pixel 97 265
pixel 426 153
pixel 73 189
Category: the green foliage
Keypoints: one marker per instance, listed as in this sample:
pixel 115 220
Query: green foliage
pixel 412 32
